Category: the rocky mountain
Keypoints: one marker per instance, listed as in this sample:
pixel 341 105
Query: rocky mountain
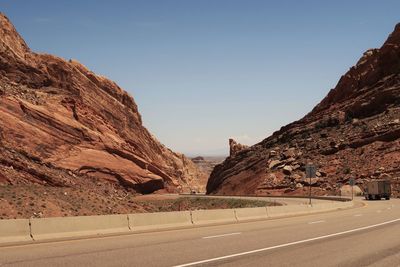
pixel 354 132
pixel 62 125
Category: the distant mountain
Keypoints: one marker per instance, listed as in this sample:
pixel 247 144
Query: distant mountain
pixel 206 165
pixel 62 125
pixel 353 133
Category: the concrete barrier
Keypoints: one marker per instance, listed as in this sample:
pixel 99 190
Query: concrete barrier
pixel 14 231
pixel 331 205
pixel 291 210
pixel 320 207
pixel 344 205
pixel 279 211
pixel 76 227
pixel 45 229
pixel 246 214
pixel 161 220
pixel 328 206
pixel 200 217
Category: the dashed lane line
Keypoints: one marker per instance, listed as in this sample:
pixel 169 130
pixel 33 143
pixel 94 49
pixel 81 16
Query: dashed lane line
pixel 223 235
pixel 316 222
pixel 287 244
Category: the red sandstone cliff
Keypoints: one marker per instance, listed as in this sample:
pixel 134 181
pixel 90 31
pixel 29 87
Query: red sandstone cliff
pixel 62 125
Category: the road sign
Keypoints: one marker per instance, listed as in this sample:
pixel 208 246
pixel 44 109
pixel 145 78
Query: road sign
pixel 351 181
pixel 311 171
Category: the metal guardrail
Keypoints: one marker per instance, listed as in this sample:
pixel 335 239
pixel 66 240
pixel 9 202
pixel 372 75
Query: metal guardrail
pixel 333 198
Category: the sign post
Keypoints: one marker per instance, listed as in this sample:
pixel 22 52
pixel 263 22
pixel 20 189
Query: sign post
pixel 311 171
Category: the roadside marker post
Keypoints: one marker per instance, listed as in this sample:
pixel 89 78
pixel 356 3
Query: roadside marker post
pixel 311 171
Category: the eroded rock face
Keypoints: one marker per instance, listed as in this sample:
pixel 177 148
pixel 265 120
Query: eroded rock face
pixel 235 147
pixel 353 132
pixel 60 122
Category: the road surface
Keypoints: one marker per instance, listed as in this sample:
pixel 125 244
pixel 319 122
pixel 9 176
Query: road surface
pixel 364 236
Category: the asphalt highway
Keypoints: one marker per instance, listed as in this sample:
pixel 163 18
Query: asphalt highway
pixel 367 235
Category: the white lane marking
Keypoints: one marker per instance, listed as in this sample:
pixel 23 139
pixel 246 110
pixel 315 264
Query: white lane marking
pixel 287 244
pixel 316 222
pixel 358 215
pixel 216 236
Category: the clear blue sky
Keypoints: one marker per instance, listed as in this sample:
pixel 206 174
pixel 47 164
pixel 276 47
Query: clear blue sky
pixel 203 71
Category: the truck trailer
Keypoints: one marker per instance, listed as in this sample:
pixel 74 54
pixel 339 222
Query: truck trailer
pixel 378 189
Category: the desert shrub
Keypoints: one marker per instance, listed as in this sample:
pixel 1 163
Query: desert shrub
pixel 346 170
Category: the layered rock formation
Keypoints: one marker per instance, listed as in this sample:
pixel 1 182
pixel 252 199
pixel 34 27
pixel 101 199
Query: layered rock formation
pixel 353 133
pixel 62 125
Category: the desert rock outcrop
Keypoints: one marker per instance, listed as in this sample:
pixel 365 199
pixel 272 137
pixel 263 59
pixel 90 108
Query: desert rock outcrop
pixel 354 132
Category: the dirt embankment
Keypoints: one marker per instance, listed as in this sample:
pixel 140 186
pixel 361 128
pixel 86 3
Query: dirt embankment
pixel 38 201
